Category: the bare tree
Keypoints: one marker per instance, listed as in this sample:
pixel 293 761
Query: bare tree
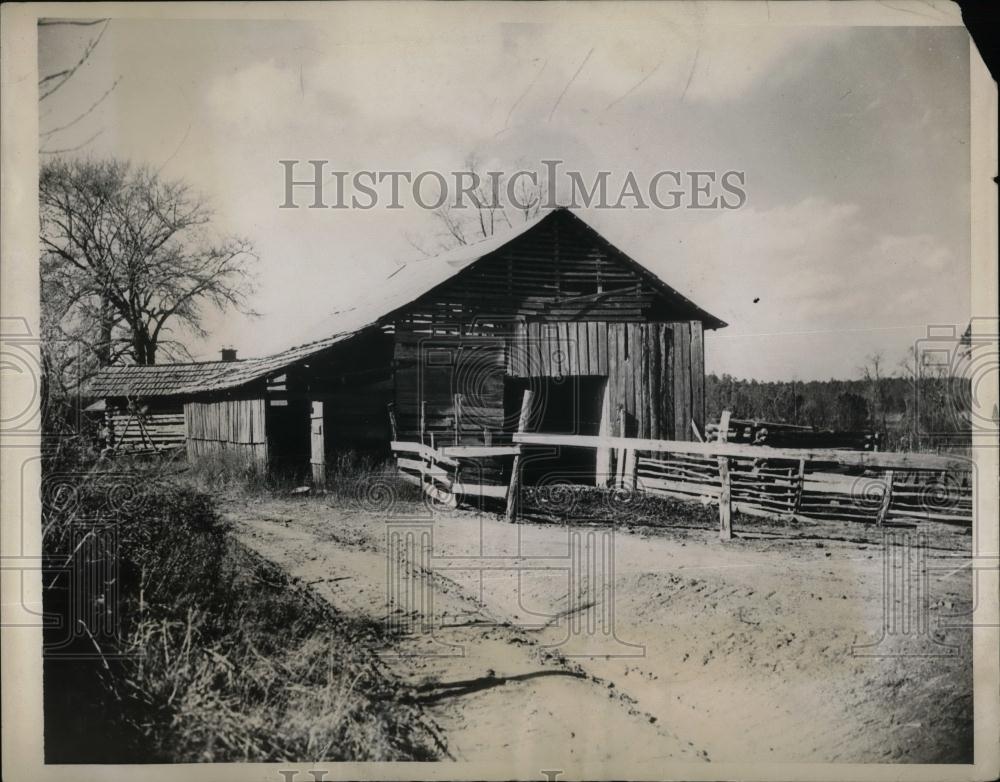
pixel 484 209
pixel 127 258
pixel 874 375
pixel 51 83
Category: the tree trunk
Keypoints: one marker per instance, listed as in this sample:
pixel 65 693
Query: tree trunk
pixel 106 330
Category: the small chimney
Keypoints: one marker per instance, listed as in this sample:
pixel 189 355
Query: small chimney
pixel 229 354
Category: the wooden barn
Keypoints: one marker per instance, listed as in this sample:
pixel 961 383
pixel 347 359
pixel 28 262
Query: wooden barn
pixel 443 351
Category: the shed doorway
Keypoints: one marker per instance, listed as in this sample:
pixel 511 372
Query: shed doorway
pixel 572 404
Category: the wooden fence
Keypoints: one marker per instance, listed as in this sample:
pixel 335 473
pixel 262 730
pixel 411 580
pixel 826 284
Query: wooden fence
pixel 865 486
pixel 447 473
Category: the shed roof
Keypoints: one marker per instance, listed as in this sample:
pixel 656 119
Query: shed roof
pixel 402 287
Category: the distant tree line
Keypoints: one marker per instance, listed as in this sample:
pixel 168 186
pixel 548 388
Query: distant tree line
pixel 918 410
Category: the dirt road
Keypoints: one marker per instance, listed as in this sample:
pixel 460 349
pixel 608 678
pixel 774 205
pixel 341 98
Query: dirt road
pixel 689 649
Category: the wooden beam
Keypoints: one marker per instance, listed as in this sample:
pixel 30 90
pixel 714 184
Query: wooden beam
pixel 513 500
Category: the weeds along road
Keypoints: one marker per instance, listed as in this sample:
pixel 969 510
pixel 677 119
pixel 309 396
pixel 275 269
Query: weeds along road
pixel 749 650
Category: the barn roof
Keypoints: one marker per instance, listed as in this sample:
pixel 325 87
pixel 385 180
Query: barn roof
pixel 403 286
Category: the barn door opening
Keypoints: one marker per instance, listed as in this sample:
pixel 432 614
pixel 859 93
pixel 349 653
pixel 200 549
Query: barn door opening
pixel 572 404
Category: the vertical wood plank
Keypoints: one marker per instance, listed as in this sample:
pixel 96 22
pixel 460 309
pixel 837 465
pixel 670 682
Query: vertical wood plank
pixel 666 380
pixel 603 458
pixel 681 410
pixel 545 352
pixel 514 489
pixel 686 385
pixel 621 370
pixel 620 454
pixel 609 346
pixel 653 383
pixel 593 364
pixel 625 351
pixel 602 348
pixel 636 361
pixel 317 458
pixel 698 375
pixel 534 361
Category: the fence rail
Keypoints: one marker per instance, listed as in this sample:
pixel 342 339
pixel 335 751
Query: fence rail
pixel 445 474
pixel 755 480
pixel 790 482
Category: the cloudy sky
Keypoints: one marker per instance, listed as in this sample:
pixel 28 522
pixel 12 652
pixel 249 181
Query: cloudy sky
pixel 854 140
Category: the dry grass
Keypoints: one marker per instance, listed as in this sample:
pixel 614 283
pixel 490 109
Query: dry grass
pixel 218 657
pixel 273 677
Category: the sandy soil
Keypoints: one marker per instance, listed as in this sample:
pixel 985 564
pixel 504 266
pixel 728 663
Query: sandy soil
pixel 748 650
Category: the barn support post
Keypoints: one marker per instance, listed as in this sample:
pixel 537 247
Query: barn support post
pixel 514 490
pixel 317 457
pixel 725 501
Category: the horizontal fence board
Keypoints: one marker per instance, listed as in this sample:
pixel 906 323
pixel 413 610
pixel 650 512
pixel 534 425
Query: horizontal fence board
pixel 850 458
pixel 790 482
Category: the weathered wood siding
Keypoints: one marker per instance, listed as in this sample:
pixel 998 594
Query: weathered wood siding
pixel 227 426
pixel 431 371
pixel 557 301
pixel 556 272
pixel 655 371
pixel 154 428
pixel 655 374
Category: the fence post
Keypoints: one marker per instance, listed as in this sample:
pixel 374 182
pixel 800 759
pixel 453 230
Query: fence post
pixel 629 473
pixel 515 470
pixel 458 418
pixel 423 421
pixel 800 485
pixel 725 501
pixel 883 510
